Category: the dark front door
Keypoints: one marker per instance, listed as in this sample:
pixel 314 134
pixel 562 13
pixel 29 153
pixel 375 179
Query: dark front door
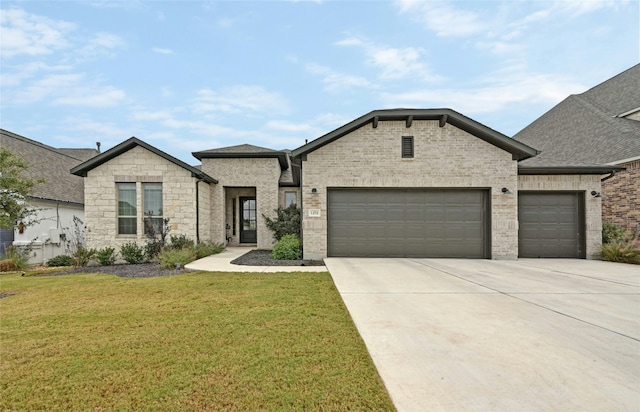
pixel 248 233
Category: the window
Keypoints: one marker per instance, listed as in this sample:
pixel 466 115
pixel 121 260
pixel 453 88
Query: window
pixel 407 146
pixel 152 206
pixel 127 209
pixel 290 198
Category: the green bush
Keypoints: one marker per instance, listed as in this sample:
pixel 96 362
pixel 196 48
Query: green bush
pixel 287 222
pixel 612 233
pixel 106 256
pixel 132 253
pixel 82 256
pixel 152 248
pixel 287 248
pixel 623 252
pixel 61 260
pixel 181 242
pixel 170 257
pixel 204 249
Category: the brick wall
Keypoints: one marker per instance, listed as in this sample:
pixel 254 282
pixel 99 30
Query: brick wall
pixel 260 175
pixel 593 205
pixel 445 157
pixel 139 165
pixel 621 197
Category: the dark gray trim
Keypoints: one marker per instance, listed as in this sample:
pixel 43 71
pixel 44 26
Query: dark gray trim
pixel 83 168
pixel 62 202
pixel 518 150
pixel 281 156
pixel 567 170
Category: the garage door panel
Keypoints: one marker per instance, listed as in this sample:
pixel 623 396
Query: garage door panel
pixel 551 224
pixel 408 223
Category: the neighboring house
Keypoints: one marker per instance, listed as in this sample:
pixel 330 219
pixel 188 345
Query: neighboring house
pixel 58 200
pixel 401 182
pixel 598 127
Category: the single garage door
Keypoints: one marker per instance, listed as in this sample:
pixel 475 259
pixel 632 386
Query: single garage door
pixel 551 225
pixel 408 223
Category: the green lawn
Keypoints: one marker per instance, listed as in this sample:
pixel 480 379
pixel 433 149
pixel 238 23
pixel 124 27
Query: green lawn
pixel 197 341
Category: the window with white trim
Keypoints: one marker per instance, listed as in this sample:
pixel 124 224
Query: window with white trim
pixel 127 211
pixel 290 198
pixel 152 206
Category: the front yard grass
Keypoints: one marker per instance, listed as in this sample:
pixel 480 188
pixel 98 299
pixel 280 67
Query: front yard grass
pixel 197 341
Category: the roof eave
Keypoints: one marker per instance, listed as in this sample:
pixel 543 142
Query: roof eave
pixel 281 156
pixel 567 170
pixel 519 151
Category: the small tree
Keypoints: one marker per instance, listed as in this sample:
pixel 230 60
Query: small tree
pixel 14 189
pixel 287 222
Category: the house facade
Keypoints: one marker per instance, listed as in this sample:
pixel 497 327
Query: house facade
pixel 59 200
pixel 391 183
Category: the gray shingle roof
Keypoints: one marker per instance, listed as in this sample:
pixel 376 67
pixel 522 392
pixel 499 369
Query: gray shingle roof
pixel 239 149
pixel 51 164
pixel 244 151
pixel 583 129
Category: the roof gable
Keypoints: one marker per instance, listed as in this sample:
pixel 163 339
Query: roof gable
pixel 517 149
pixel 84 168
pixel 244 151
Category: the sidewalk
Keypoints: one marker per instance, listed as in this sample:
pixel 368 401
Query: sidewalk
pixel 222 263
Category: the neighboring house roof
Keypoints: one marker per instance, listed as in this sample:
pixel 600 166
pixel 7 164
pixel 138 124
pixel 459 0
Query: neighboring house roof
pixel 591 128
pixel 82 169
pixel 51 164
pixel 244 151
pixel 517 149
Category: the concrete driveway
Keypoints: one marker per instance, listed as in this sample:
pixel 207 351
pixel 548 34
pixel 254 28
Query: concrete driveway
pixel 525 335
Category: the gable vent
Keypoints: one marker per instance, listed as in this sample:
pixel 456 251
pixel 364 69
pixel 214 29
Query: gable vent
pixel 407 146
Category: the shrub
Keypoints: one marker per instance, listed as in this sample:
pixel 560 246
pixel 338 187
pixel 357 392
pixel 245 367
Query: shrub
pixel 106 256
pixel 612 233
pixel 170 257
pixel 287 248
pixel 181 242
pixel 82 256
pixel 61 260
pixel 623 252
pixel 15 258
pixel 204 249
pixel 287 222
pixel 152 248
pixel 132 253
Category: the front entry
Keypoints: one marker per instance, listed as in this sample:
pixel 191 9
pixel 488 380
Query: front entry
pixel 248 232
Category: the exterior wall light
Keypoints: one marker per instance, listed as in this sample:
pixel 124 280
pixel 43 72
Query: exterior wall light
pixel 595 194
pixel 506 191
pixel 314 191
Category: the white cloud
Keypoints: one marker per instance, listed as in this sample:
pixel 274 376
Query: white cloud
pixel 92 97
pixel 29 34
pixel 394 63
pixel 335 81
pixel 161 50
pixel 285 126
pixel 492 94
pixel 99 45
pixel 443 18
pixel 240 98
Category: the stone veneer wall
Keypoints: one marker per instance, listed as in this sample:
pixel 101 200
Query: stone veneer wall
pixel 593 206
pixel 140 166
pixel 258 173
pixel 445 157
pixel 621 197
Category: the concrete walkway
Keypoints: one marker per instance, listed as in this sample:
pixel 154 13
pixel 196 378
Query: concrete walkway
pixel 482 335
pixel 222 263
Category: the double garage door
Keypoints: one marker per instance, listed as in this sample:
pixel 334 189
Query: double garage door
pixel 450 223
pixel 408 223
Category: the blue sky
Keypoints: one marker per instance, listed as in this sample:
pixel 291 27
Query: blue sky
pixel 188 76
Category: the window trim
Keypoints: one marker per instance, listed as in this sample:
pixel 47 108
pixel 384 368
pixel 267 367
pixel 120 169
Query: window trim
pixel 295 200
pixel 135 207
pixel 157 218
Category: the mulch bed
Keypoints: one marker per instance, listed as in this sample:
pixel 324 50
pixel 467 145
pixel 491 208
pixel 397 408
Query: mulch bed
pixel 263 258
pixel 149 270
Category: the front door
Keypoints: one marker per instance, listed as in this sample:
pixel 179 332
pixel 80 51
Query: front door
pixel 249 224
